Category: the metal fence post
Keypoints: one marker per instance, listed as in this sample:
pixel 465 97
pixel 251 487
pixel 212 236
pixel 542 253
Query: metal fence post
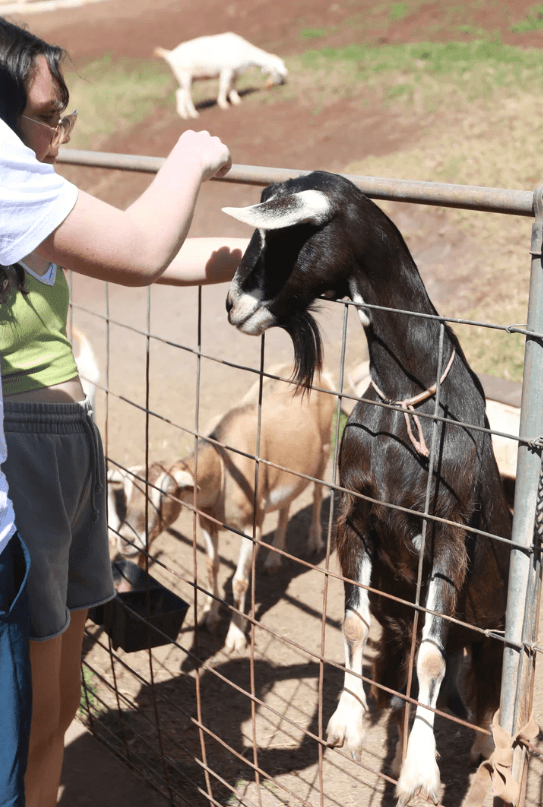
pixel 524 574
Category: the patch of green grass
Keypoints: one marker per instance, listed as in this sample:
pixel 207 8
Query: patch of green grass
pixel 342 421
pixel 233 799
pixel 112 96
pixel 399 90
pixel 472 30
pixel 441 59
pixel 88 701
pixel 532 22
pixel 399 10
pixel 494 353
pixel 313 33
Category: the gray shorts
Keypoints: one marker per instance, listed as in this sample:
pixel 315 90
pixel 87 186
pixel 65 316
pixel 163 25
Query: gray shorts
pixel 56 476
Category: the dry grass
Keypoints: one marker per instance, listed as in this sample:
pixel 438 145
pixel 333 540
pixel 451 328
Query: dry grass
pixel 496 143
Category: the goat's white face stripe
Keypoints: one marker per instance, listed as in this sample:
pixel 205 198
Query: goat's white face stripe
pixel 245 306
pixel 128 483
pixel 257 323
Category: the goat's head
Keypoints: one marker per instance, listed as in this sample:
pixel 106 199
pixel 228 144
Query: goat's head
pixel 276 71
pixel 313 234
pixel 126 506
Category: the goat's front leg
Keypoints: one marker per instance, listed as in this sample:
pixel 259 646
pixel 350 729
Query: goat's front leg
pixel 233 96
pixel 346 726
pixel 226 78
pixel 315 531
pixel 235 638
pixel 185 104
pixel 211 616
pixel 274 560
pixel 419 770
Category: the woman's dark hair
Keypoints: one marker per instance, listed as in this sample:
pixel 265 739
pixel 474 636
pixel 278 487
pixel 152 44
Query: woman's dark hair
pixel 18 52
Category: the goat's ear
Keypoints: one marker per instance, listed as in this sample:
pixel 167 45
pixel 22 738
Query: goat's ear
pixel 183 479
pixel 167 483
pixel 305 207
pixel 115 475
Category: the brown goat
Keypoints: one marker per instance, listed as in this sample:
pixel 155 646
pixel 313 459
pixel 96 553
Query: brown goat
pixel 295 434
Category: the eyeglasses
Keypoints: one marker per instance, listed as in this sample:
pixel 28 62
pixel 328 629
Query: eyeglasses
pixel 61 132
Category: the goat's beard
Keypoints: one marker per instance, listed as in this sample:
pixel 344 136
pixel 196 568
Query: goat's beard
pixel 304 331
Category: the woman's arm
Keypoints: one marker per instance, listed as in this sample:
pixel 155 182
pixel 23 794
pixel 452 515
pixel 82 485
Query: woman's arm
pixel 134 247
pixel 205 260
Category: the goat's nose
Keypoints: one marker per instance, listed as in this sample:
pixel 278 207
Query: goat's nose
pixel 229 304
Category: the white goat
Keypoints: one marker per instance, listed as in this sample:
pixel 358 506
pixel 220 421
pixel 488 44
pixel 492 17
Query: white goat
pixel 225 56
pixel 295 434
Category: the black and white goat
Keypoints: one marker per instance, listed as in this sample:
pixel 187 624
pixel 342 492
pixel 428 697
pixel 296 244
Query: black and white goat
pixel 318 235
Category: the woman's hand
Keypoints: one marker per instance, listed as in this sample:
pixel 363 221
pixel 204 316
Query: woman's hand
pixel 208 152
pixel 134 246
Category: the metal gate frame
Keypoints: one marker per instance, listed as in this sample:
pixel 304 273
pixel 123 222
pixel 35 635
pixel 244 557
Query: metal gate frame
pixel 520 640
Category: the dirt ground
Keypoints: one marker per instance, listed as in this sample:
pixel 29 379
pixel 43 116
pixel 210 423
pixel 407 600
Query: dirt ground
pixel 298 604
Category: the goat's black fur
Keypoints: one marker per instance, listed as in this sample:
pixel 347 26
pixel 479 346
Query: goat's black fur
pixel 359 251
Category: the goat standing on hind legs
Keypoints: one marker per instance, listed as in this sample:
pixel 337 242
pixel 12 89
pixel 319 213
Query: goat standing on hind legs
pixel 318 235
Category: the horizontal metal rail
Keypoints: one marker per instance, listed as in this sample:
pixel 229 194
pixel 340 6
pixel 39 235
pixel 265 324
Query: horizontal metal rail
pixel 468 197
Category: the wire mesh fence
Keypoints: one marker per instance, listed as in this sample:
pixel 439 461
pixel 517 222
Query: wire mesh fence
pixel 248 726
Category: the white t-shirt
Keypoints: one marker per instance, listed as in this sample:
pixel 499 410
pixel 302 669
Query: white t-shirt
pixel 34 200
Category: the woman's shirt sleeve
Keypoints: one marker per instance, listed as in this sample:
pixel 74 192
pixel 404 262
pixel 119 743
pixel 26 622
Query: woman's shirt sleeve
pixel 34 200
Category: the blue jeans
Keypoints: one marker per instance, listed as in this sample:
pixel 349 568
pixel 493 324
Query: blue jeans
pixel 15 677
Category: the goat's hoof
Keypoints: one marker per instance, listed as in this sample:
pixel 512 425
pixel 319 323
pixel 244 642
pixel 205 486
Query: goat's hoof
pixel 334 740
pixel 416 779
pixel 341 732
pixel 316 545
pixel 235 644
pixel 210 621
pixel 273 563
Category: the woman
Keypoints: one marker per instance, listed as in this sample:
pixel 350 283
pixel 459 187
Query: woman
pixel 55 465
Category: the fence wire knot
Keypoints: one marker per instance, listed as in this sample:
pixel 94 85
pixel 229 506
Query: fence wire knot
pixel 537 443
pixel 514 328
pixel 497 769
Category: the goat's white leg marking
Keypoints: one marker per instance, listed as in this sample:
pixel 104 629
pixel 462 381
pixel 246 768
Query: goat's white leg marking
pixel 235 638
pixel 274 559
pixel 211 616
pixel 315 531
pixel 347 723
pixel 419 770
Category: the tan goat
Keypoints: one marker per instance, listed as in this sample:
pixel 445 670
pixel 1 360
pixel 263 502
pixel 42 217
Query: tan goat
pixel 295 434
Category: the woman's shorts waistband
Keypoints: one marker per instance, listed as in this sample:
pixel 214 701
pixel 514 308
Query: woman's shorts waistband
pixel 48 418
